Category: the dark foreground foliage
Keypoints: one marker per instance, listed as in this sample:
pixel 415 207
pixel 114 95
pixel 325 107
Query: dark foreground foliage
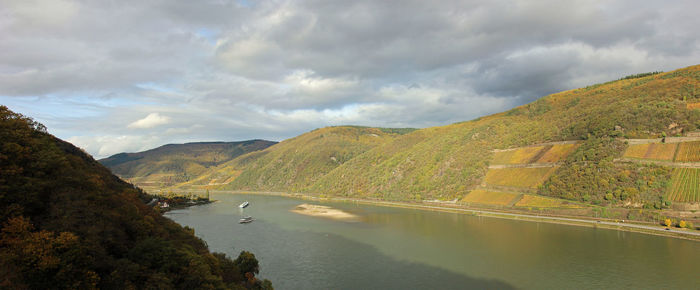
pixel 68 223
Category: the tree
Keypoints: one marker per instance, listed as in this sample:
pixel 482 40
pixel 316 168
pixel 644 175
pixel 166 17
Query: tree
pixel 667 222
pixel 229 271
pixel 67 223
pixel 247 263
pixel 689 225
pixel 42 259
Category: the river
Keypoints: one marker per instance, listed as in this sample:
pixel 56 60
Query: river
pixel 398 248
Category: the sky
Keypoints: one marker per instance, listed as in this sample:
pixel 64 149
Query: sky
pixel 126 76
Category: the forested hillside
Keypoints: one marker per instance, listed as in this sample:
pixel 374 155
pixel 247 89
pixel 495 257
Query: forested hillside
pixel 68 223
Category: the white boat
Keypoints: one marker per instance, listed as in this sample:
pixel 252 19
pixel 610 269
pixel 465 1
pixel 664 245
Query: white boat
pixel 244 204
pixel 246 220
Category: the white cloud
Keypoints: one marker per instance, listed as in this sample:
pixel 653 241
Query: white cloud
pixel 308 83
pixel 105 146
pixel 150 121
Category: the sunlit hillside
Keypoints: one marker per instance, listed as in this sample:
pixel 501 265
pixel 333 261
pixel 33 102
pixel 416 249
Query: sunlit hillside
pixel 569 145
pixel 448 162
pixel 299 162
pixel 177 163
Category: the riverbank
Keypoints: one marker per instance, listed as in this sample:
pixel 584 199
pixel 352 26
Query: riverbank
pixel 513 215
pixel 168 204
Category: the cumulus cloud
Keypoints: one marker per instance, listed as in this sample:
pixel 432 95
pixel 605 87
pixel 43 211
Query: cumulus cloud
pixel 232 70
pixel 150 121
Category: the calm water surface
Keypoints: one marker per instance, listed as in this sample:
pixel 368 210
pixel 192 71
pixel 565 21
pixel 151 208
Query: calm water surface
pixel 394 248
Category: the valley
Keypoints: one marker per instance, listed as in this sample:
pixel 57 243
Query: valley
pixel 258 145
pixel 625 149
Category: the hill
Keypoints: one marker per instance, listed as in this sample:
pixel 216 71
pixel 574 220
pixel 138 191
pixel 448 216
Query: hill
pixel 177 163
pixel 602 145
pixel 297 163
pixel 448 162
pixel 68 223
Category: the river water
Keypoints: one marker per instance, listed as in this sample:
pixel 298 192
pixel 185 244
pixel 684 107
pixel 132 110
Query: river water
pixel 397 248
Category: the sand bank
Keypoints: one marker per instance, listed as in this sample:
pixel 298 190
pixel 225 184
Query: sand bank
pixel 323 211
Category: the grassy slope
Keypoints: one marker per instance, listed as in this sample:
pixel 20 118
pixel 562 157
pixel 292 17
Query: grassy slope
pixel 176 163
pixel 221 174
pixel 446 162
pixel 296 163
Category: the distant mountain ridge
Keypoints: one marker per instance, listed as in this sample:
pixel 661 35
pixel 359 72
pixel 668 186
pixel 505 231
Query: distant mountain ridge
pixel 174 163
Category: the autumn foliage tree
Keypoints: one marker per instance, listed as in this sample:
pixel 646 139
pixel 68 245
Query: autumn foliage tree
pixel 68 223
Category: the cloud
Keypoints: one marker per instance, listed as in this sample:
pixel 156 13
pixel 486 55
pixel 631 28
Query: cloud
pixel 107 145
pixel 232 70
pixel 150 121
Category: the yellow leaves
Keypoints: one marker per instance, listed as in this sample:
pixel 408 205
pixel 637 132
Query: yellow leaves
pixel 39 250
pixel 16 227
pixel 557 153
pixel 654 151
pixel 688 152
pixel 519 177
pixel 693 106
pixel 489 197
pixel 517 156
pixel 534 154
pixel 637 151
pixel 529 200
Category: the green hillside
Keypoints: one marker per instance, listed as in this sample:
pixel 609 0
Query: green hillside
pixel 176 163
pixel 573 148
pixel 299 162
pixel 221 175
pixel 68 223
pixel 447 162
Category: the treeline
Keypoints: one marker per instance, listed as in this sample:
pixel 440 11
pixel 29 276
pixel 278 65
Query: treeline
pixel 641 75
pixel 68 223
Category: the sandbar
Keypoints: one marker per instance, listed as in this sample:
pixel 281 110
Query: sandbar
pixel 323 211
